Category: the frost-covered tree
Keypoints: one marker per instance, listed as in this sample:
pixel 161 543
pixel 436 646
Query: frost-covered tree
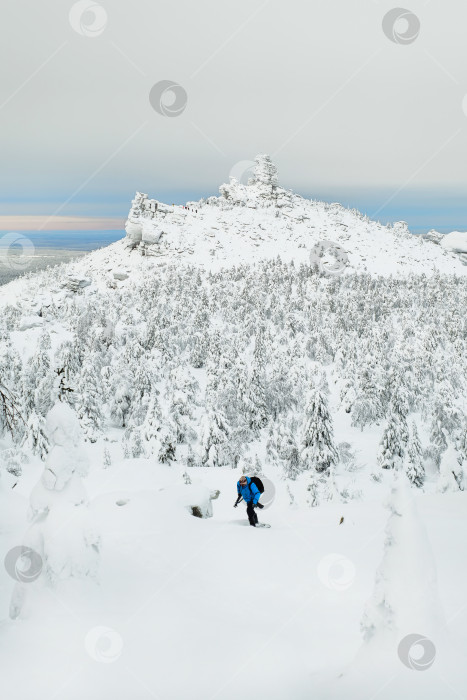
pixel 392 446
pixel 367 407
pixel 282 449
pixel 446 417
pixel 35 436
pixel 318 449
pixel 215 439
pixel 152 426
pixel 89 400
pixel 182 398
pixel 121 402
pixel 413 460
pixel 62 532
pixel 132 443
pixel 450 471
pixel 321 487
pixel 167 449
pixel 10 416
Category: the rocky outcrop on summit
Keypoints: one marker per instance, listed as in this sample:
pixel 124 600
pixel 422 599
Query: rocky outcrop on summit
pixel 249 222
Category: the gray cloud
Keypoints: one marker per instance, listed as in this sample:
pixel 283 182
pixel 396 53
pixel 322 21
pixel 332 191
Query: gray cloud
pixel 317 84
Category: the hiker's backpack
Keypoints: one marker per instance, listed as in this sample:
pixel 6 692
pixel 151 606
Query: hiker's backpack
pixel 258 483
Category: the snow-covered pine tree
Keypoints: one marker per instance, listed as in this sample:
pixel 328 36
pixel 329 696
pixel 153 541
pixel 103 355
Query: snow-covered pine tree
pixel 167 449
pixel 255 402
pixel 215 439
pixel 62 389
pixel 451 478
pixel 446 417
pixel 121 401
pixel 318 449
pixel 413 460
pixel 182 391
pixel 391 452
pixel 35 436
pixel 89 400
pixel 10 416
pixel 283 450
pixel 399 407
pixel 62 531
pixel 367 408
pixel 151 428
pixel 143 382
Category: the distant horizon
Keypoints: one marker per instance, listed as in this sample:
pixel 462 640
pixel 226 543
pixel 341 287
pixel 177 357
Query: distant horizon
pixel 443 210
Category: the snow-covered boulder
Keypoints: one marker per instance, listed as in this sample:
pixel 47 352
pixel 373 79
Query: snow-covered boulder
pixel 456 241
pixel 28 322
pixel 195 497
pixel 134 231
pixel 75 283
pixel 120 275
pixel 151 233
pixel 433 236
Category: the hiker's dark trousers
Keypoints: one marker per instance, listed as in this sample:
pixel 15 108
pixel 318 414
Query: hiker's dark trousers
pixel 250 511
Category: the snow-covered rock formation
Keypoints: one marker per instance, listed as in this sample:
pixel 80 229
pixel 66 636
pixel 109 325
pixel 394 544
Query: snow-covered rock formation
pixel 454 242
pixel 261 219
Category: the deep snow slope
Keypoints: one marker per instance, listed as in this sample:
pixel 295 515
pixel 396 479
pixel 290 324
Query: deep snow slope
pixel 212 609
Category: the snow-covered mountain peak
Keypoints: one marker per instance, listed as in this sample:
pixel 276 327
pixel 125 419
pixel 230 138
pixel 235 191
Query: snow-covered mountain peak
pixel 261 219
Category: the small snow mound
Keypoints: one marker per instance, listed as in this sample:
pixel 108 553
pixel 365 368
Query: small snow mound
pixel 456 242
pixel 28 322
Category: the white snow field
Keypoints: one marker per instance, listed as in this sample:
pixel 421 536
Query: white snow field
pixel 211 608
pixel 139 383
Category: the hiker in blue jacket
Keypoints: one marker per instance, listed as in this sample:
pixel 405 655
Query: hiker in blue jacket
pixel 248 490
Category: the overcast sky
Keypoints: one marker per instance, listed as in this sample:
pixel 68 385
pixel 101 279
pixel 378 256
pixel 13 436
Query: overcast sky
pixel 347 113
